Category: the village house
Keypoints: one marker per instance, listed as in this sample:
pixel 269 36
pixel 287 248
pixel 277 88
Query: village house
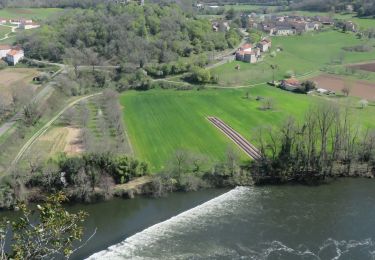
pixel 247 53
pixel 325 20
pixel 15 55
pixel 264 45
pixel 312 26
pixel 284 31
pixel 4 49
pixel 350 26
pixel 12 55
pixel 3 21
pixel 28 25
pixel 291 84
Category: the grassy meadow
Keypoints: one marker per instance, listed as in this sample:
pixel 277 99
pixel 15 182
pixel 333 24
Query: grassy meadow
pixel 249 8
pixel 159 122
pixel 32 13
pixel 4 30
pixel 301 54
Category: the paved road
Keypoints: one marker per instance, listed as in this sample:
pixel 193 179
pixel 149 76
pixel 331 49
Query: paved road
pixel 44 129
pixel 13 120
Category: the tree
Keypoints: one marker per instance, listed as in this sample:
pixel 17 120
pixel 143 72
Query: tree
pixel 346 90
pixel 308 85
pixel 267 104
pixel 52 235
pixel 363 103
pixel 31 114
pixel 75 58
pixel 200 75
pixel 273 68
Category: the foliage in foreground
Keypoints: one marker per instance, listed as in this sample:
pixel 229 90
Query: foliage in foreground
pixel 44 233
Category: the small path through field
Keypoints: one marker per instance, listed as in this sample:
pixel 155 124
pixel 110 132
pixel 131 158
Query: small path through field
pixel 44 129
pixel 6 36
pixel 241 142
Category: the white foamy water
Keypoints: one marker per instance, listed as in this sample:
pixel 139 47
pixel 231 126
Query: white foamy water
pixel 198 217
pixel 333 222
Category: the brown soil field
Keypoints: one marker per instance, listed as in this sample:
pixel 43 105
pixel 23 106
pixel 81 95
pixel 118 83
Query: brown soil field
pixel 359 88
pixel 11 78
pixel 366 66
pixel 56 140
pixel 73 141
pixel 22 11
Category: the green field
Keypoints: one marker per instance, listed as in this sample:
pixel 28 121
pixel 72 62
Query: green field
pixel 32 13
pixel 301 54
pixel 3 31
pixel 249 8
pixel 160 122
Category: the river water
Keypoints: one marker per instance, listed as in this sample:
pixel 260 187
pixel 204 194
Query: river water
pixel 334 221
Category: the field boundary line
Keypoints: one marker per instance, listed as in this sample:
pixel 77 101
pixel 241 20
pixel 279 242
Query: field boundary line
pixel 44 129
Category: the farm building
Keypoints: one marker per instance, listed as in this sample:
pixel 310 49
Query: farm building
pixel 264 45
pixel 291 84
pixel 2 20
pixel 247 53
pixel 14 55
pixel 28 25
pixel 284 31
pixel 4 49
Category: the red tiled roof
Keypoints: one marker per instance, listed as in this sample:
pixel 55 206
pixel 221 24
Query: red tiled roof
pixel 246 46
pixel 13 52
pixel 292 81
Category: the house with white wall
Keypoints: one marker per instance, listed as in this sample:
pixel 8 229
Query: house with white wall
pixel 15 55
pixel 28 26
pixel 4 49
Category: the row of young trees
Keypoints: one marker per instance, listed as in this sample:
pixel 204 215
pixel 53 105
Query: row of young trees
pixel 327 143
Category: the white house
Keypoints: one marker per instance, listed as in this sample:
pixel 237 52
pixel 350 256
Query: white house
pixel 27 26
pixel 15 55
pixel 2 20
pixel 284 31
pixel 264 45
pixel 4 49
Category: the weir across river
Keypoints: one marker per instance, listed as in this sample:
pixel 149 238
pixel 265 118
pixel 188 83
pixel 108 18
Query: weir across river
pixel 245 145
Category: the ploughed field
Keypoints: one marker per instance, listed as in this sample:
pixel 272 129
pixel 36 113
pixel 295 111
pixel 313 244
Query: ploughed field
pixel 303 54
pixel 365 66
pixel 358 88
pixel 159 122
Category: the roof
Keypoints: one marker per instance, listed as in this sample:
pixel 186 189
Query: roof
pixel 14 52
pixel 5 47
pixel 292 81
pixel 246 46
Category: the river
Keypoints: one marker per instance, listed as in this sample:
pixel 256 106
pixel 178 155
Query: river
pixel 333 221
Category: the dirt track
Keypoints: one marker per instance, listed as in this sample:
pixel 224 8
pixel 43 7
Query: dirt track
pixel 359 88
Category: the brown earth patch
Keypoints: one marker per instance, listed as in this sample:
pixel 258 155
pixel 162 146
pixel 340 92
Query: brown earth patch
pixel 74 143
pixel 22 11
pixel 16 78
pixel 359 88
pixel 366 66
